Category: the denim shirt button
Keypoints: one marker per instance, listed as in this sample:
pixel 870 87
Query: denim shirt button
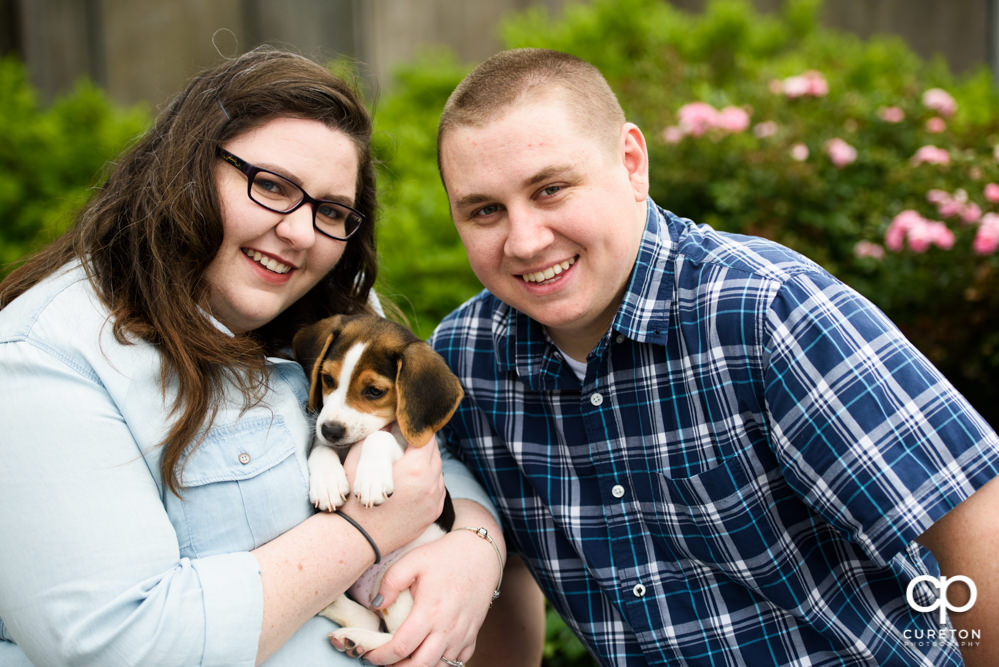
pixel 244 458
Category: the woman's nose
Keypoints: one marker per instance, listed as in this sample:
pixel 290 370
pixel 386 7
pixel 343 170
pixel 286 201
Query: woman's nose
pixel 297 228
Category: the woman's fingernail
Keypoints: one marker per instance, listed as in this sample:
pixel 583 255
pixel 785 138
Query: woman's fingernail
pixel 377 600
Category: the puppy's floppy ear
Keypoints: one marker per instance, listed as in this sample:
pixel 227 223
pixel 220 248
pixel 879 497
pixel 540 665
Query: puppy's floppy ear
pixel 428 393
pixel 310 345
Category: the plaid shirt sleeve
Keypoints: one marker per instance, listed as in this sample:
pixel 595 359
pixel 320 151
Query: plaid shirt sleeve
pixel 867 432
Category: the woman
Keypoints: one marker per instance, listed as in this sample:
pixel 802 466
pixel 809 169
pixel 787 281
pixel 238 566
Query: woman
pixel 153 491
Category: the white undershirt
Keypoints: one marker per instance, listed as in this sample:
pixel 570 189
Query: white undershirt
pixel 578 367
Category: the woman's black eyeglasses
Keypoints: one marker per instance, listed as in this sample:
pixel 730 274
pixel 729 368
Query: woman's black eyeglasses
pixel 276 193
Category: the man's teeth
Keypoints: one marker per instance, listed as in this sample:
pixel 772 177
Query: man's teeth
pixel 267 262
pixel 549 273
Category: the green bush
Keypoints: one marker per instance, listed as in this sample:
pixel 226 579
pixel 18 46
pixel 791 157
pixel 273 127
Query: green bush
pixel 51 157
pixel 789 88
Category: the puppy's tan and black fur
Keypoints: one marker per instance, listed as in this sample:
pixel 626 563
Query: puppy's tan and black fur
pixel 378 386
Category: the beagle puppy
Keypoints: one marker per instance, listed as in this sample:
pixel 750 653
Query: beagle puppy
pixel 376 385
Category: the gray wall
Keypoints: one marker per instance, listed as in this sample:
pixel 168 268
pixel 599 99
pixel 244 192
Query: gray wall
pixel 145 50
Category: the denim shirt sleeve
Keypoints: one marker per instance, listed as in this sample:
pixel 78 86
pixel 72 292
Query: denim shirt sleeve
pixel 91 570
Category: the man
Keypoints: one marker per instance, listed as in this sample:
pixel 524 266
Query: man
pixel 706 448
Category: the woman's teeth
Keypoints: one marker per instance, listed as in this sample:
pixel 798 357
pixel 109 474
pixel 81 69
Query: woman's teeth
pixel 549 273
pixel 268 263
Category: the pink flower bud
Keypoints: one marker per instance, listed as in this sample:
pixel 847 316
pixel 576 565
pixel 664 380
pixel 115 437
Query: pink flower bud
pixel 992 192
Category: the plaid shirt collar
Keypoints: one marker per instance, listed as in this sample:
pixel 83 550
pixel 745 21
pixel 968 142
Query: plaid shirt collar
pixel 523 345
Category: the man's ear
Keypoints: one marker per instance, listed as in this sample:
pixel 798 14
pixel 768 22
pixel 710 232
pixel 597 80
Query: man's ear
pixel 635 158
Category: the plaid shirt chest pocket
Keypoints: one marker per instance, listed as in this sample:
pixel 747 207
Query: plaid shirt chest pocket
pixel 241 488
pixel 724 516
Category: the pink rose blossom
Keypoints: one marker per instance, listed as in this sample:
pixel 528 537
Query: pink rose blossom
pixel 918 231
pixel 936 125
pixel 931 155
pixel 987 239
pixel 699 118
pixel 767 128
pixel 817 85
pixel 992 192
pixel 937 196
pixel 891 114
pixel 955 205
pixel 696 118
pixel 810 83
pixel 870 250
pixel 940 101
pixel 899 228
pixel 799 152
pixel 972 212
pixel 672 134
pixel 732 119
pixel 840 152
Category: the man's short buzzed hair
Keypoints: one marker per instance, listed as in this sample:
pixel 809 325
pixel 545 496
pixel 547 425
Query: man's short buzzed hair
pixel 503 79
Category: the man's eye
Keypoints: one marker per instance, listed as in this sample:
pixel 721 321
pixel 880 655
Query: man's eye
pixel 486 210
pixel 551 190
pixel 372 393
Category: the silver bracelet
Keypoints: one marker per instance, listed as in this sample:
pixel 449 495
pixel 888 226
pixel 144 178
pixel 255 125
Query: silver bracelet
pixel 484 534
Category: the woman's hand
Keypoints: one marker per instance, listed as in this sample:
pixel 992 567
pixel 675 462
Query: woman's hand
pixel 416 502
pixel 452 581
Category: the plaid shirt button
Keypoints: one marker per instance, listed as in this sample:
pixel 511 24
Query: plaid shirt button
pixel 638 590
pixel 596 399
pixel 617 491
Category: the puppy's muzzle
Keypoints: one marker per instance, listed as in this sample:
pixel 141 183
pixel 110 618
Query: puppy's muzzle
pixel 333 432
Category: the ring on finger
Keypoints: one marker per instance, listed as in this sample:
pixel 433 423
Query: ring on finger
pixel 453 663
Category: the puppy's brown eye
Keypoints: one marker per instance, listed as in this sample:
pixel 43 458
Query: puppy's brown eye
pixel 372 393
pixel 328 382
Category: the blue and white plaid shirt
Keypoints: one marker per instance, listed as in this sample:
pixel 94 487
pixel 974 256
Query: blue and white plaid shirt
pixel 739 478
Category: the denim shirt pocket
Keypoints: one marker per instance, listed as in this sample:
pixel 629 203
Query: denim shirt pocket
pixel 241 488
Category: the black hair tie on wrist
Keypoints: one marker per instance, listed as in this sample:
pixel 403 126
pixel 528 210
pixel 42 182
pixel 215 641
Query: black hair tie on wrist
pixel 378 554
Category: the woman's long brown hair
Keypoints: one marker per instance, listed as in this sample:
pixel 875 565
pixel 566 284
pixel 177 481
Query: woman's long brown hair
pixel 148 234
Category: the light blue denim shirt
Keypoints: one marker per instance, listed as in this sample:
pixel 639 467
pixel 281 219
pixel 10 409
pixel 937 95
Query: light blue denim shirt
pixel 100 563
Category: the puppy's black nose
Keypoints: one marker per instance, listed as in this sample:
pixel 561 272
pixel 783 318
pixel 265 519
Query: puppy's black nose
pixel 333 431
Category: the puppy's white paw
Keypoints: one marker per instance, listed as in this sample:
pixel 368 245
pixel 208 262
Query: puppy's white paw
pixel 328 485
pixel 373 482
pixel 357 641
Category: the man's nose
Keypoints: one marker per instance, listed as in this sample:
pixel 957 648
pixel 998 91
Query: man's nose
pixel 528 232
